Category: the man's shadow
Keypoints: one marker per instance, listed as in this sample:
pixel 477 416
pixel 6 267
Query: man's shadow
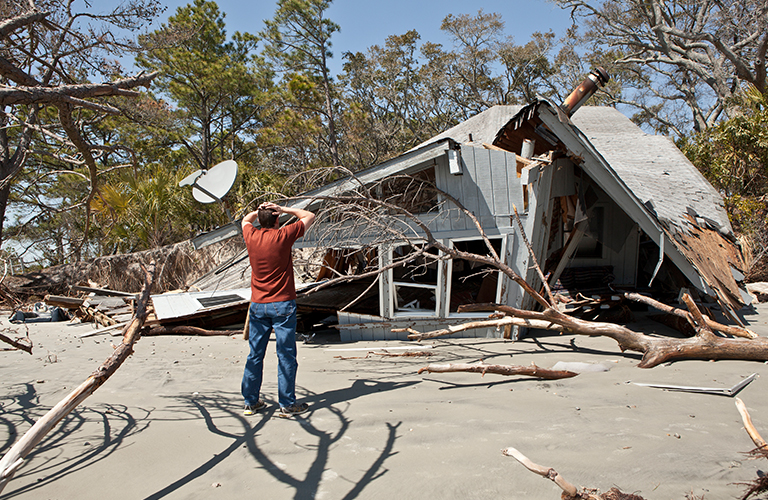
pixel 306 487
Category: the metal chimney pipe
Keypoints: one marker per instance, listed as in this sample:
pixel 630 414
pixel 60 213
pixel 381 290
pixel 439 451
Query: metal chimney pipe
pixel 596 79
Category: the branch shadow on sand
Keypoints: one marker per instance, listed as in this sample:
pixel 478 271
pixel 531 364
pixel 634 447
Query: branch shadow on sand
pixel 227 409
pixel 22 408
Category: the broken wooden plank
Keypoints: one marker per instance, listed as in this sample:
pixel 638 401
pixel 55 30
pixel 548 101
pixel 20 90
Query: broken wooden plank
pixel 62 301
pixel 102 291
pixel 102 330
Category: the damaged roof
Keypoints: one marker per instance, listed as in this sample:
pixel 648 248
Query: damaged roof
pixel 652 167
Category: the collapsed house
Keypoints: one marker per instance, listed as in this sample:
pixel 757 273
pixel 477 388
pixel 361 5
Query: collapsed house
pixel 606 208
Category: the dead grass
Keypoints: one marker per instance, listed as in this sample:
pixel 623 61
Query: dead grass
pixel 176 264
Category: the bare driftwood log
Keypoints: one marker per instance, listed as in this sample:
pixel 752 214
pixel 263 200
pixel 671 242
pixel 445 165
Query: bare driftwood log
pixel 655 350
pixel 736 331
pixel 482 368
pixel 15 456
pixel 749 427
pixel 759 485
pixel 570 492
pixel 498 323
pixel 412 354
pixel 187 330
pixel 24 346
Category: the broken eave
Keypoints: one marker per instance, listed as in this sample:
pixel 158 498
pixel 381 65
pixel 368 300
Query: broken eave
pixel 528 125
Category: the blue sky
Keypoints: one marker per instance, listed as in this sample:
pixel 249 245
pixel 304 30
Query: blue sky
pixel 366 22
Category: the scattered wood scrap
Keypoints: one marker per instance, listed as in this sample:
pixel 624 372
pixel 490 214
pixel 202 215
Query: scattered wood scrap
pixel 106 309
pixel 482 368
pixel 570 492
pixel 412 354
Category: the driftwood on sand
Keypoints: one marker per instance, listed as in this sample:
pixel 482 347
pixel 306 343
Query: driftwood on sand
pixel 656 350
pixel 14 458
pixel 570 492
pixel 509 370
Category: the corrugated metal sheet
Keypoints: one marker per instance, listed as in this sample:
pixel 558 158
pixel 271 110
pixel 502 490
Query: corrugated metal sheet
pixel 176 305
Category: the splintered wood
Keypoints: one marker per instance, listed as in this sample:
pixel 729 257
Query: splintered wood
pixel 419 354
pixel 508 370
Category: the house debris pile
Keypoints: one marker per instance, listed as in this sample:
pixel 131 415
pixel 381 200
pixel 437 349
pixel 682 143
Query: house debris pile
pixel 102 290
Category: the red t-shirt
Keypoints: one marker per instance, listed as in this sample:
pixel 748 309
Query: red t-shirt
pixel 269 251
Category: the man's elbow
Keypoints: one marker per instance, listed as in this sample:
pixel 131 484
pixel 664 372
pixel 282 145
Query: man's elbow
pixel 308 220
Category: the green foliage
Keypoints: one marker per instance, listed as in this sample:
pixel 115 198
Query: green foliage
pixel 145 211
pixel 733 156
pixel 298 44
pixel 217 87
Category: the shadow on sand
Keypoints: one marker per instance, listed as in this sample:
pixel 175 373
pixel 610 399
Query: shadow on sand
pixel 304 487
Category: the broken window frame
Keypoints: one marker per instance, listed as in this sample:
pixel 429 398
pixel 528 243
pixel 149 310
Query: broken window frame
pixel 446 312
pixel 402 312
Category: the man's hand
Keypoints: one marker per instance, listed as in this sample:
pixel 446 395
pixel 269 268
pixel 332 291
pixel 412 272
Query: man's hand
pixel 268 205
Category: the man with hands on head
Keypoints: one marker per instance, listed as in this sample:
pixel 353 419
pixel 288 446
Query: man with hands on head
pixel 273 303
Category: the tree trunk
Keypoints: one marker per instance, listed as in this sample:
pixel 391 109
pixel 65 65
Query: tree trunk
pixel 655 350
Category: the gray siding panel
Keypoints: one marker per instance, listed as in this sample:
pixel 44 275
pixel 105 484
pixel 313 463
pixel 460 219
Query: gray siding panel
pixel 499 184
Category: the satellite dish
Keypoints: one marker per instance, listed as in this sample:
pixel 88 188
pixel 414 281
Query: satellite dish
pixel 191 178
pixel 214 184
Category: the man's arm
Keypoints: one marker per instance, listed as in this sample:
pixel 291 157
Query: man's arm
pixel 304 216
pixel 250 218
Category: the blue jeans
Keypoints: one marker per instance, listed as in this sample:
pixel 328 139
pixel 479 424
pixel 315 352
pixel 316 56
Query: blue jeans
pixel 263 317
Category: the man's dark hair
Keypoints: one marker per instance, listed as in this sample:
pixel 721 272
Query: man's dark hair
pixel 267 217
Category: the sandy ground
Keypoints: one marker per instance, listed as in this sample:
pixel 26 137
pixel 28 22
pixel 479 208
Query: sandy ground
pixel 169 423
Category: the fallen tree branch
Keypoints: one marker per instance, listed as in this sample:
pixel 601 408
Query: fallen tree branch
pixel 16 455
pixel 736 331
pixel 509 370
pixel 187 330
pixel 497 323
pixel 533 256
pixel 23 346
pixel 760 484
pixel 749 427
pixel 417 354
pixel 655 350
pixel 569 491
